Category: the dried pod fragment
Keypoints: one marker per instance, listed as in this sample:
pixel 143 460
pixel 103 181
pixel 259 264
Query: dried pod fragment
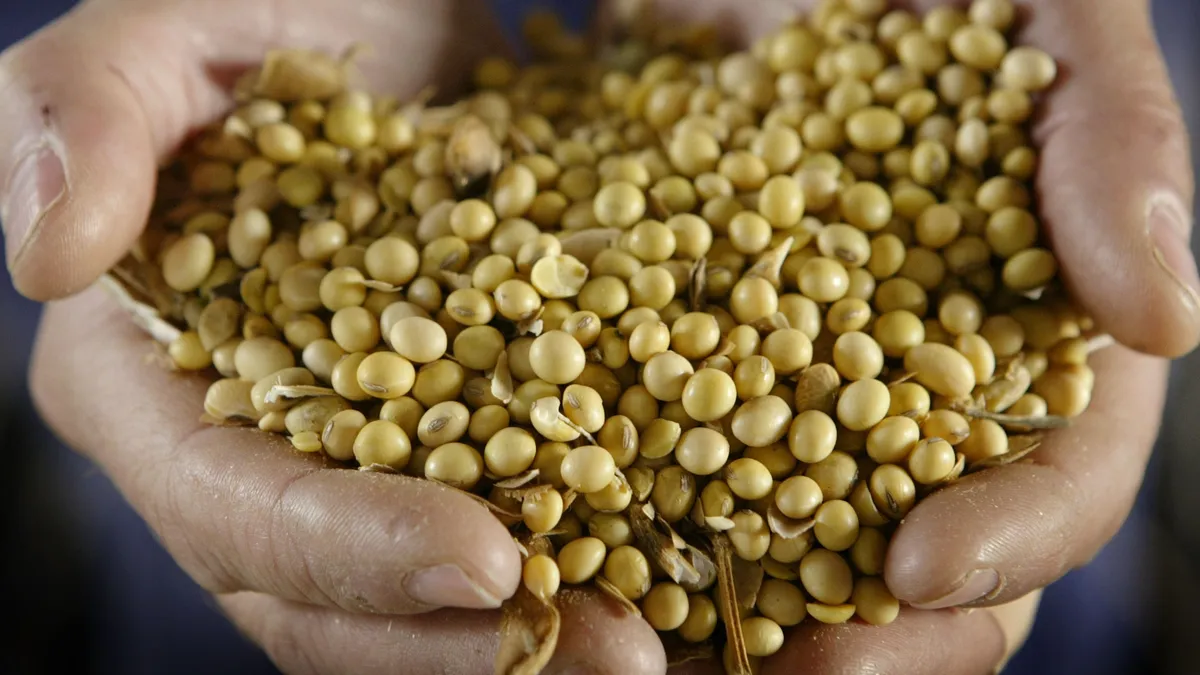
pixel 660 548
pixel 697 280
pixel 770 264
pixel 291 75
pixel 282 400
pixel 472 153
pixel 705 566
pixel 502 382
pixel 520 480
pixel 144 316
pixel 282 394
pixel 1017 422
pixel 729 612
pixel 529 629
pixel 747 581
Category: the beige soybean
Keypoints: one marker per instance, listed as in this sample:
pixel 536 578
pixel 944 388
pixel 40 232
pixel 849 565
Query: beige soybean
pixel 510 452
pixel 665 376
pixel 629 571
pixel 581 559
pixel 586 469
pixel 456 464
pixel 761 421
pixel 836 525
pixel 812 436
pixel 863 404
pixel 674 493
pixel 789 350
pixel 418 339
pixel 701 619
pixel 940 368
pixel 798 497
pixel 709 395
pixel 665 606
pixel 386 375
pixel 873 602
pixel 931 461
pixel 382 443
pixel 541 576
pixel 748 478
pixel 826 577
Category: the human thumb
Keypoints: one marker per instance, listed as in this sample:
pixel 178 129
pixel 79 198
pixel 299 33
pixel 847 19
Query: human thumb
pixel 90 105
pixel 1116 181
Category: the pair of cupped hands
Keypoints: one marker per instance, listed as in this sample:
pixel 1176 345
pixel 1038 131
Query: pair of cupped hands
pixel 335 571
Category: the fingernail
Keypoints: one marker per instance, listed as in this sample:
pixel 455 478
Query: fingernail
pixel 1169 225
pixel 37 183
pixel 975 586
pixel 448 586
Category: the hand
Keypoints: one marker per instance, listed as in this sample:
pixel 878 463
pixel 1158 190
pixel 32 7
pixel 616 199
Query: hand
pixel 1116 192
pixel 1096 486
pixel 331 571
pixel 315 563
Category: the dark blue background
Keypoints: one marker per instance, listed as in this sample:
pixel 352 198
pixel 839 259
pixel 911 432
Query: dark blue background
pixel 92 592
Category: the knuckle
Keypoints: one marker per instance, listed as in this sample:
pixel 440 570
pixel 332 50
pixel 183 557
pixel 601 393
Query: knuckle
pixel 192 528
pixel 291 551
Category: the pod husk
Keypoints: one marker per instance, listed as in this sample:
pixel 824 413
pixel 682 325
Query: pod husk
pixel 529 628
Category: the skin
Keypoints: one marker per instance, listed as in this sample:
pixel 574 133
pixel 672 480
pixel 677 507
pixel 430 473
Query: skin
pixel 316 565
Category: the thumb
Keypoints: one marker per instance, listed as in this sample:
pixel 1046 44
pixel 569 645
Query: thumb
pixel 91 104
pixel 1116 179
pixel 87 104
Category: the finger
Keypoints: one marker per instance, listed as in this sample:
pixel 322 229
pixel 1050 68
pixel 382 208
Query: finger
pixel 238 508
pixel 596 638
pixel 93 102
pixel 1016 621
pixel 1116 180
pixel 995 536
pixel 949 642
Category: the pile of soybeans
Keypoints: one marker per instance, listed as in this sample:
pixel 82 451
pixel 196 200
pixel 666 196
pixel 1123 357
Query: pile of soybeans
pixel 699 326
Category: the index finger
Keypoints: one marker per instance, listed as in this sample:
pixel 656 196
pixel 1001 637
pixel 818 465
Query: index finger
pixel 240 509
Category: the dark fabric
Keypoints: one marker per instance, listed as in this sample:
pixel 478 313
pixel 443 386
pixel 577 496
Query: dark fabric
pixel 91 591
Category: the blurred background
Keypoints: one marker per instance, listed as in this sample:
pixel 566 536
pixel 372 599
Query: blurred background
pixel 89 590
